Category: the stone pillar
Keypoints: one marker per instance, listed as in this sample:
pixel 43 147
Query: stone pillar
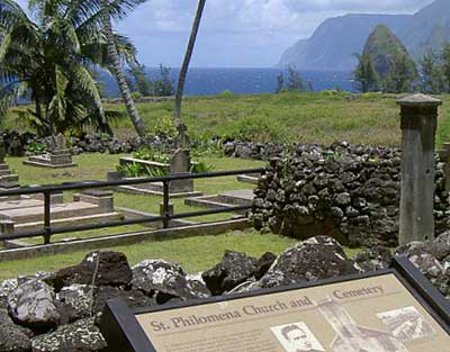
pixel 6 227
pixel 418 123
pixel 104 199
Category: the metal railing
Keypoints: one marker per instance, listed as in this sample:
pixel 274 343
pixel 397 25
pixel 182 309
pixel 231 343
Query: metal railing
pixel 47 190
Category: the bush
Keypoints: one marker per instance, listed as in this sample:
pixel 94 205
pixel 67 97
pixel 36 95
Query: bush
pixel 330 92
pixel 226 94
pixel 258 130
pixel 136 95
pixel 201 168
pixel 371 95
pixel 162 126
pixel 152 155
pixel 133 170
pixel 36 148
pixel 204 145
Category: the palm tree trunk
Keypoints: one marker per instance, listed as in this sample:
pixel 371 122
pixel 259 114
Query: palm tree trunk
pixel 118 72
pixel 183 72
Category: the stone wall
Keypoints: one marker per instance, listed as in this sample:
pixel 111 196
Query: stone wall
pixel 17 144
pixel 349 192
pixel 257 151
pixel 60 312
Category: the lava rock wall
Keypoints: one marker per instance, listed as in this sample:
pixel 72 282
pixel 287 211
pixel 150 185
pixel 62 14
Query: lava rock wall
pixel 349 192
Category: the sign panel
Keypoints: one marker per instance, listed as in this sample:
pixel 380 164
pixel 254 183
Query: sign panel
pixel 391 311
pixel 373 315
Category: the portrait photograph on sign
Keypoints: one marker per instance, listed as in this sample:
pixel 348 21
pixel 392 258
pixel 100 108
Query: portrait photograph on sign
pixel 297 337
pixel 373 314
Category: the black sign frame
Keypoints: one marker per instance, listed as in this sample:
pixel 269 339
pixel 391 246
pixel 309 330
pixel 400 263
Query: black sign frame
pixel 123 333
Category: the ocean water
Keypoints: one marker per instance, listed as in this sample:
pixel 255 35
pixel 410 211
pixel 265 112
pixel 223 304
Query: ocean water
pixel 211 81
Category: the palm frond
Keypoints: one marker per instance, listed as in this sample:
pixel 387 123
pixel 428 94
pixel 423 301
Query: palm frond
pixel 4 46
pixel 57 106
pixel 89 87
pixel 126 49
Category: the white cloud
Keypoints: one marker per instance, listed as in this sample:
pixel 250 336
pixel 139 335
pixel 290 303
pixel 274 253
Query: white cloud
pixel 238 32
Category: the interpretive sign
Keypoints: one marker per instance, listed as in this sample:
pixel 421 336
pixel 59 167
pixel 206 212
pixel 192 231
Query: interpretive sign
pixel 395 310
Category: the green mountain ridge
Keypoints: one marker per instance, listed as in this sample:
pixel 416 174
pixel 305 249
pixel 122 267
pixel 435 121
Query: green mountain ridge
pixel 383 46
pixel 334 43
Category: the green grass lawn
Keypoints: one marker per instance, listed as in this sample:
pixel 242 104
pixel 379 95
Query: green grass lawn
pixel 193 253
pixel 321 118
pixel 95 167
pixel 288 117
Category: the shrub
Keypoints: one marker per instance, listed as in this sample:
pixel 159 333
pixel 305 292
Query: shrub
pixel 226 94
pixel 162 126
pixel 36 148
pixel 207 146
pixel 201 168
pixel 136 95
pixel 133 170
pixel 258 130
pixel 152 155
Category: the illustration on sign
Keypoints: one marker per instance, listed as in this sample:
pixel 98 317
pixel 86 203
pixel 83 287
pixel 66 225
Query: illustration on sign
pixel 351 337
pixel 297 337
pixel 406 324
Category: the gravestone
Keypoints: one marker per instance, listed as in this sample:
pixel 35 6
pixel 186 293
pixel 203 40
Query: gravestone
pixel 58 156
pixel 183 141
pixel 8 180
pixel 180 165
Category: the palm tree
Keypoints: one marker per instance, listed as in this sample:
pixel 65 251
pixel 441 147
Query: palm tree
pixel 114 58
pixel 182 78
pixel 50 58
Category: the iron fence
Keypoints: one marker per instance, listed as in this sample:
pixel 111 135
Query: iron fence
pixel 47 190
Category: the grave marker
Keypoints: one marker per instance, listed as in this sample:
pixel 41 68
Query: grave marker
pixel 58 157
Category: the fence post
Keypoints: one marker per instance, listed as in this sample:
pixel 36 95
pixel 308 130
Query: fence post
pixel 47 214
pixel 6 228
pixel 418 123
pixel 166 212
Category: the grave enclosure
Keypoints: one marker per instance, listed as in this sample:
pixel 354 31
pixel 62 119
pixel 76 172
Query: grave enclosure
pixel 180 164
pixel 58 157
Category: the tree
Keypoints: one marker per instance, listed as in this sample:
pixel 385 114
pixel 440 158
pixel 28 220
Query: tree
pixel 114 58
pixel 402 74
pixel 446 65
pixel 365 75
pixel 293 82
pixel 50 59
pixel 183 73
pixel 163 87
pixel 140 81
pixel 280 83
pixel 433 80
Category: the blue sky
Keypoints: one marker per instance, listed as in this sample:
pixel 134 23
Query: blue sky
pixel 238 33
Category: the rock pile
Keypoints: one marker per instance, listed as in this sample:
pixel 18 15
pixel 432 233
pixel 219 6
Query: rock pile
pixel 349 192
pixel 249 150
pixel 17 144
pixel 59 312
